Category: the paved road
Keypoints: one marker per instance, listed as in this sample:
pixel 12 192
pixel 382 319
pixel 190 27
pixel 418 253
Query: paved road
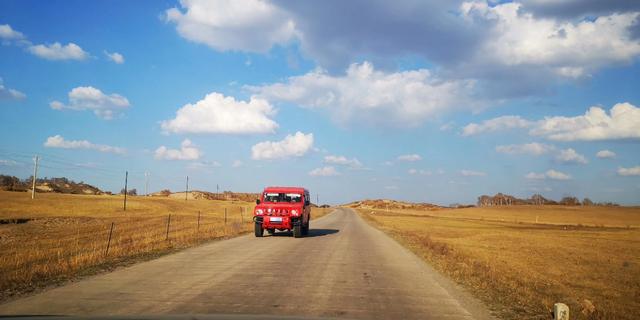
pixel 344 269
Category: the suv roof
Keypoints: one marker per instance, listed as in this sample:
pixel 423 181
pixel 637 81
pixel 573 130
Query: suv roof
pixel 285 189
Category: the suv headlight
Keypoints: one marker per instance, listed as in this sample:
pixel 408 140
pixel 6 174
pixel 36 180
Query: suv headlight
pixel 259 212
pixel 294 212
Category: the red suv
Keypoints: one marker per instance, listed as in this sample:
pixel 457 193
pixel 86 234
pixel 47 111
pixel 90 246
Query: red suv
pixel 283 209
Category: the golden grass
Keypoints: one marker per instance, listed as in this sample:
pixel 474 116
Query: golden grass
pixel 519 267
pixel 67 235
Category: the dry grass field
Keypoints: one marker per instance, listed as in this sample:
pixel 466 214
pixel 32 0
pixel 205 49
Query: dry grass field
pixel 521 260
pixel 57 237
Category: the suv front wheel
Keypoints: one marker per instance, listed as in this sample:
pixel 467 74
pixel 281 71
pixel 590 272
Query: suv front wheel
pixel 258 230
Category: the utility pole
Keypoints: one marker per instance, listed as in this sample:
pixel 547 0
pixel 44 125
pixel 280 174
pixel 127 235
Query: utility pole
pixel 317 201
pixel 186 190
pixel 35 174
pixel 217 188
pixel 146 183
pixel 126 178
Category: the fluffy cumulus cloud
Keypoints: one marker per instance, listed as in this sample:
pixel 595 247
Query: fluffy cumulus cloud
pixel 59 141
pixel 568 9
pixel 115 57
pixel 533 148
pixel 633 171
pixel 57 51
pixel 187 151
pixel 105 106
pixel 472 173
pixel 495 43
pixel 535 176
pixel 205 165
pixel 495 124
pixel 571 156
pixel 327 171
pixel 557 175
pixel 421 172
pixel 8 33
pixel 252 25
pixel 409 157
pixel 605 154
pixel 343 161
pixel 295 145
pixel 10 94
pixel 550 174
pixel 364 94
pixel 567 48
pixel 226 115
pixel 622 122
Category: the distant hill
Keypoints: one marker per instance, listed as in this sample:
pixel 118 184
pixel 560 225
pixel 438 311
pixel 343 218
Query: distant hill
pixel 391 204
pixel 57 185
pixel 195 194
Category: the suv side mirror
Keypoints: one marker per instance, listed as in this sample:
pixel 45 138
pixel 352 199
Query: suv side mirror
pixel 257 201
pixel 306 202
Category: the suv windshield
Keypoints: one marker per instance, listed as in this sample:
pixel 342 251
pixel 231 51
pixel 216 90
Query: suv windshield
pixel 282 197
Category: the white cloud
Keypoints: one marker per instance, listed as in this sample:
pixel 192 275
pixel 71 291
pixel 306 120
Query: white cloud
pixel 535 176
pixel 471 173
pixel 202 165
pixel 495 124
pixel 8 163
pixel 605 154
pixel 327 171
pixel 409 157
pixel 58 141
pixel 342 160
pixel 391 187
pixel 419 172
pixel 622 122
pixel 570 49
pixel 7 33
pixel 188 151
pixel 557 175
pixel 251 25
pixel 115 57
pixel 56 51
pixel 366 95
pixel 10 94
pixel 90 98
pixel 533 148
pixel 236 164
pixel 571 156
pixel 550 174
pixel 633 171
pixel 219 114
pixel 295 145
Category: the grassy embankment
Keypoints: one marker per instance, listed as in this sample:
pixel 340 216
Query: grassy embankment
pixel 57 237
pixel 521 260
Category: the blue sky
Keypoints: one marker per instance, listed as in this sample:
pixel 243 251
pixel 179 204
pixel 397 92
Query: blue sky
pixel 436 102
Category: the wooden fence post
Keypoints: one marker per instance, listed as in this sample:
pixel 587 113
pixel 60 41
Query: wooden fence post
pixel 168 223
pixel 198 228
pixel 109 241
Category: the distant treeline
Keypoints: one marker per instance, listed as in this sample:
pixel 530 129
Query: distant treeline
pixel 57 185
pixel 501 199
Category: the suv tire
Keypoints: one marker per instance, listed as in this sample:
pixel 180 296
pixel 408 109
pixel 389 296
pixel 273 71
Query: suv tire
pixel 258 230
pixel 297 231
